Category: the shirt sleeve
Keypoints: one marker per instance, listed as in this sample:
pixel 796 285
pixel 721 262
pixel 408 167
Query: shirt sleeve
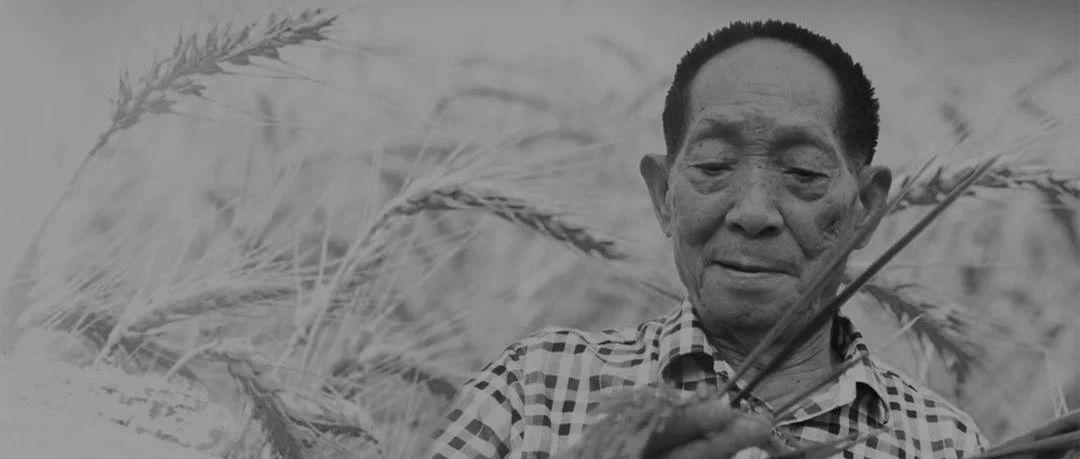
pixel 484 421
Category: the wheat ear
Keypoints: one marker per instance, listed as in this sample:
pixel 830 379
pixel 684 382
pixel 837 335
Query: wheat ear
pixel 209 301
pixel 933 188
pixel 517 210
pixel 168 80
pixel 458 196
pixel 290 421
pixel 268 409
pixel 213 300
pixel 626 421
pixel 945 328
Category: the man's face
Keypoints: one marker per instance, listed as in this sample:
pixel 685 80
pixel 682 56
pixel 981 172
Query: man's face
pixel 762 191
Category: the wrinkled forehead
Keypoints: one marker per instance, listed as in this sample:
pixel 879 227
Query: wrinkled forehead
pixel 765 80
pixel 765 70
pixel 768 65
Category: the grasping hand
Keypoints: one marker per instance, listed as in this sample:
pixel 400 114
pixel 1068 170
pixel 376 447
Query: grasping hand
pixel 708 430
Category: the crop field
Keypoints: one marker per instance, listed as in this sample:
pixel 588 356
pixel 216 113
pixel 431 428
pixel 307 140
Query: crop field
pixel 286 231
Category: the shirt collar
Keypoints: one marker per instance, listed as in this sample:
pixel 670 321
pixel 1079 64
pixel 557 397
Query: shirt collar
pixel 682 335
pixel 849 342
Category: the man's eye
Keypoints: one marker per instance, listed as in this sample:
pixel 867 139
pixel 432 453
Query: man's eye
pixel 805 175
pixel 713 169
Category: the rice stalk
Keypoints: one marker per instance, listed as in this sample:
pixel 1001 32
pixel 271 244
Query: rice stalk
pixel 168 80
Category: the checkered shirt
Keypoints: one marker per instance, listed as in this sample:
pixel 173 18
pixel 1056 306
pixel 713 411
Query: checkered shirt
pixel 536 398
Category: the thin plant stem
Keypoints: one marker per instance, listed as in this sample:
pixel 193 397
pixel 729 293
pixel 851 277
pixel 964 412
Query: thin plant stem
pixel 1061 442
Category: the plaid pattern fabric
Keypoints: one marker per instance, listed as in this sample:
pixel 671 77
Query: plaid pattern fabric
pixel 535 399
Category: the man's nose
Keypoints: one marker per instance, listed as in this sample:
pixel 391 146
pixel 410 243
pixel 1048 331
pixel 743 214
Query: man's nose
pixel 754 213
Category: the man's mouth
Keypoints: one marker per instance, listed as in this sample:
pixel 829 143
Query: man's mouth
pixel 749 268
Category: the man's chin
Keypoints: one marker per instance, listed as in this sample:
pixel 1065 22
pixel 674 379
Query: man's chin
pixel 746 309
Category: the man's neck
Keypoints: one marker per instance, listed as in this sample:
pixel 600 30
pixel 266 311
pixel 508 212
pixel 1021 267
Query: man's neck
pixel 811 362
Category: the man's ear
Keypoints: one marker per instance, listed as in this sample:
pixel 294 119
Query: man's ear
pixel 654 169
pixel 874 183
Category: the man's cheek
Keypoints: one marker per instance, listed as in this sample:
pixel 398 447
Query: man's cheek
pixel 830 225
pixel 695 220
pixel 690 265
pixel 820 230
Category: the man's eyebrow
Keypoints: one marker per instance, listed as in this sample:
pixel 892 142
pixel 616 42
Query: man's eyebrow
pixel 715 127
pixel 792 135
pixel 728 127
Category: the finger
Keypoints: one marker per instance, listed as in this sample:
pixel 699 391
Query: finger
pixel 690 423
pixel 741 433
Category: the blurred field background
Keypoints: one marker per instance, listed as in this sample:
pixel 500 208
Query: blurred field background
pixel 213 234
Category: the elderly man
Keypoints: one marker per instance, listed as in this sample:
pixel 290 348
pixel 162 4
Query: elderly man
pixel 770 133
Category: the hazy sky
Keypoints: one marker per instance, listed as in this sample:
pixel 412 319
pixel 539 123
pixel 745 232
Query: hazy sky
pixel 61 58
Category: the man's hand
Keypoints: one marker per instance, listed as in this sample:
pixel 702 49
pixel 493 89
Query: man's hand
pixel 708 430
